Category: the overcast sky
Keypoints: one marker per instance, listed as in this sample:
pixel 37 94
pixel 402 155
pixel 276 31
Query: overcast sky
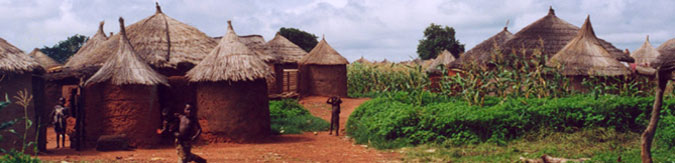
pixel 375 29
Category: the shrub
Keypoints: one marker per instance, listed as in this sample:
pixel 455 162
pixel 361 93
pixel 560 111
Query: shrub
pixel 289 117
pixel 387 122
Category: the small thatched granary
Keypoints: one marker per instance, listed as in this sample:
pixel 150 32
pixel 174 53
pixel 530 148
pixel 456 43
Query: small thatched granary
pixel 45 61
pixel 287 55
pixel 550 34
pixel 85 56
pixel 232 102
pixel 122 97
pixel 585 56
pixel 645 54
pixel 483 53
pixel 18 72
pixel 445 58
pixel 323 72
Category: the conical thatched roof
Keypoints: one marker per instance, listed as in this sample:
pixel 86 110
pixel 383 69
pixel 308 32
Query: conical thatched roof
pixel 258 45
pixel 45 61
pixel 163 41
pixel 231 60
pixel 645 54
pixel 362 60
pixel 323 54
pixel 482 53
pixel 666 59
pixel 126 67
pixel 445 58
pixel 284 50
pixel 584 55
pixel 13 60
pixel 555 33
pixel 86 56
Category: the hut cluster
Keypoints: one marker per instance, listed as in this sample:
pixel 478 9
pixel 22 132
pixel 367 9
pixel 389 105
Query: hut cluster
pixel 118 84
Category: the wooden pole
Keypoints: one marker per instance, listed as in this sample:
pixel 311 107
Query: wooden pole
pixel 648 135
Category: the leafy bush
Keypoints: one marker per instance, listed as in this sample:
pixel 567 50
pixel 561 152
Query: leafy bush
pixel 389 122
pixel 289 117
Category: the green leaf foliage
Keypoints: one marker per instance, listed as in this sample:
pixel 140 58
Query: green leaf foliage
pixel 436 39
pixel 289 117
pixel 66 48
pixel 307 41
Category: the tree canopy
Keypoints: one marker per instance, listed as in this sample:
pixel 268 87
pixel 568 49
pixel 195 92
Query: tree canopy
pixel 436 39
pixel 305 40
pixel 66 48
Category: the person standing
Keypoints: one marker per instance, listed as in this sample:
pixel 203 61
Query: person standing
pixel 335 102
pixel 188 131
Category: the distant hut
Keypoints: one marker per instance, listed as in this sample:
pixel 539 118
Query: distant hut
pixel 45 61
pixel 171 48
pixel 645 54
pixel 86 56
pixel 444 58
pixel 18 73
pixel 232 92
pixel 363 61
pixel 323 72
pixel 285 69
pixel 550 34
pixel 483 53
pixel 122 97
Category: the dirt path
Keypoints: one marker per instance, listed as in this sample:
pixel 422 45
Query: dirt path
pixel 305 147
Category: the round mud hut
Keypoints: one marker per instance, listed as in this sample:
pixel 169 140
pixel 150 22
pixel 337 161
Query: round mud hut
pixel 232 102
pixel 20 72
pixel 483 53
pixel 122 97
pixel 444 59
pixel 45 61
pixel 548 35
pixel 644 56
pixel 323 72
pixel 285 69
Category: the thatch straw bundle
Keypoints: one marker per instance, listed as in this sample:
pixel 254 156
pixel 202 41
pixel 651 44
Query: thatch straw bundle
pixel 230 60
pixel 12 59
pixel 666 60
pixel 323 54
pixel 163 42
pixel 645 54
pixel 45 61
pixel 86 55
pixel 482 53
pixel 445 58
pixel 284 50
pixel 125 67
pixel 553 33
pixel 584 55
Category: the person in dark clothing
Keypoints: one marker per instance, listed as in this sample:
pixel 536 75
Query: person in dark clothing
pixel 58 118
pixel 335 101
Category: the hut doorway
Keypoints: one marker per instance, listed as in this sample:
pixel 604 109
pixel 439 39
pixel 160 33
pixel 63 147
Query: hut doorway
pixel 290 81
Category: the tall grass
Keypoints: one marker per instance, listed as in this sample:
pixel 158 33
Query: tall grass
pixel 370 79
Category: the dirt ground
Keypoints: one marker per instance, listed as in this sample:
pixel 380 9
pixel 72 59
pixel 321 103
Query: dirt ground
pixel 306 147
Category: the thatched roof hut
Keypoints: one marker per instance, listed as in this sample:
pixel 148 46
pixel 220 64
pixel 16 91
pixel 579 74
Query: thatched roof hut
pixel 124 93
pixel 284 50
pixel 444 58
pixel 482 53
pixel 323 72
pixel 45 61
pixel 362 60
pixel 553 33
pixel 585 56
pixel 666 60
pixel 232 91
pixel 13 60
pixel 85 56
pixel 163 42
pixel 645 54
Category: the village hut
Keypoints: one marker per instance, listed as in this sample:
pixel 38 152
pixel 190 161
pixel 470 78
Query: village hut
pixel 585 56
pixel 171 48
pixel 287 55
pixel 231 92
pixel 20 72
pixel 363 61
pixel 444 58
pixel 45 61
pixel 122 97
pixel 548 35
pixel 85 56
pixel 484 52
pixel 643 57
pixel 323 72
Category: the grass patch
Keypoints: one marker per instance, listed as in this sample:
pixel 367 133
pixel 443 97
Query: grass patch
pixel 289 117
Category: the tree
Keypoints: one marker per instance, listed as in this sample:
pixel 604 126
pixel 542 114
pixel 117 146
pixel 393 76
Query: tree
pixel 66 48
pixel 305 40
pixel 436 39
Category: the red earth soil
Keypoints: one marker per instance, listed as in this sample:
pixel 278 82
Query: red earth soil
pixel 306 147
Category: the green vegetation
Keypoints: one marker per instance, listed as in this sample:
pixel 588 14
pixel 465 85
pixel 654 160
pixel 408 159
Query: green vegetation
pixel 369 80
pixel 66 48
pixel 14 155
pixel 305 40
pixel 289 117
pixel 436 39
